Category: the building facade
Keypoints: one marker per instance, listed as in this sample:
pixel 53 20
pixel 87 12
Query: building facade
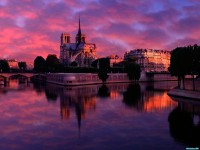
pixel 114 59
pixel 80 52
pixel 13 63
pixel 150 60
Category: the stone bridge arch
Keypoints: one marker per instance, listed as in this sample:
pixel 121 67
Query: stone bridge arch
pixel 5 77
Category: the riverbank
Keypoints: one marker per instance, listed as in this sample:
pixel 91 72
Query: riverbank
pixel 195 95
pixel 92 78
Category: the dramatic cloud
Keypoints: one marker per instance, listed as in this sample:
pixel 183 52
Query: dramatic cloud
pixel 30 27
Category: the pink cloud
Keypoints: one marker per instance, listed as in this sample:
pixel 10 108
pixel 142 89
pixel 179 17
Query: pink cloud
pixel 32 28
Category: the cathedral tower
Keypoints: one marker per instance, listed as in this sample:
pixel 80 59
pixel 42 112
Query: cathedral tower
pixel 64 39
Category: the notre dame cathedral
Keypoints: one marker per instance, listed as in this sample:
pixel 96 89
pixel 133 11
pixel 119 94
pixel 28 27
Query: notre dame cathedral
pixel 80 52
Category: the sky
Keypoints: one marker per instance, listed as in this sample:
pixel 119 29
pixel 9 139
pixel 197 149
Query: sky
pixel 31 28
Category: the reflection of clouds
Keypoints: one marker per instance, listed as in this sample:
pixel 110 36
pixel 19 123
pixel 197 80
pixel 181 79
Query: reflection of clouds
pixel 29 121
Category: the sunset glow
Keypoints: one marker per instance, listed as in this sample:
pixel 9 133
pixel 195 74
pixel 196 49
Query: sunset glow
pixel 32 28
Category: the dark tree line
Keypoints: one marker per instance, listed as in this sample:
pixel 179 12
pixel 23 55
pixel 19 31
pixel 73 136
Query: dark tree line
pixel 22 66
pixel 132 69
pixel 101 66
pixel 51 64
pixel 185 61
pixel 130 66
pixel 4 66
pixel 103 69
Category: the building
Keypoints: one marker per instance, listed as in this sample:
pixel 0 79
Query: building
pixel 114 59
pixel 13 63
pixel 150 60
pixel 80 52
pixel 29 65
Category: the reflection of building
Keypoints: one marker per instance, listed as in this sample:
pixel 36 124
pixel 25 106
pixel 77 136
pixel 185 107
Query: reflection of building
pixel 157 102
pixel 148 98
pixel 80 52
pixel 82 99
pixel 150 60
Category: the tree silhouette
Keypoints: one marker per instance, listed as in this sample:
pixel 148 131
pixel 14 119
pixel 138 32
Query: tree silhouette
pixel 39 64
pixel 182 127
pixel 22 66
pixel 74 64
pixel 52 63
pixel 133 70
pixel 4 66
pixel 104 67
pixel 184 61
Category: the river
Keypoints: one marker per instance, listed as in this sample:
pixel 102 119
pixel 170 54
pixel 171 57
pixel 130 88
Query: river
pixel 113 116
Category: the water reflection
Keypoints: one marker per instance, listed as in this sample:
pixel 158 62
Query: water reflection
pixel 132 96
pixel 105 114
pixel 39 87
pixel 81 99
pixel 103 91
pixel 148 97
pixel 51 93
pixel 184 123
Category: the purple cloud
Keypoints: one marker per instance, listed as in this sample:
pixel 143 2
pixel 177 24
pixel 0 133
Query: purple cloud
pixel 30 28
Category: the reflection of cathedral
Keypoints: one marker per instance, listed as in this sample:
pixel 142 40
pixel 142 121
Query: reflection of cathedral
pixel 80 52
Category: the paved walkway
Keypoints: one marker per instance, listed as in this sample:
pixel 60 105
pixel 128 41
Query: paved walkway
pixel 185 94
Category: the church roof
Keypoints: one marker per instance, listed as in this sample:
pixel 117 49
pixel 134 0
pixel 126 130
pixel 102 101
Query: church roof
pixel 78 46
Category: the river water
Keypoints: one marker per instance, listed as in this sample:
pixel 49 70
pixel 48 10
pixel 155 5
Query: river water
pixel 113 116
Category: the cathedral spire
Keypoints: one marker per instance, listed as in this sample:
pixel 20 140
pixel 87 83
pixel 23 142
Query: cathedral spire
pixel 79 27
pixel 79 36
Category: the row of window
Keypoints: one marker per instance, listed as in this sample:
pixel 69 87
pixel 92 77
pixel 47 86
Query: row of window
pixel 93 78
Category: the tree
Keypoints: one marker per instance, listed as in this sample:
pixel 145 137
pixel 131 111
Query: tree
pixel 52 63
pixel 104 67
pixel 196 59
pixel 182 63
pixel 133 70
pixel 103 75
pixel 94 63
pixel 22 66
pixel 39 64
pixel 4 66
pixel 74 64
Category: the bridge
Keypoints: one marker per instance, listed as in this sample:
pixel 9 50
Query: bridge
pixel 5 77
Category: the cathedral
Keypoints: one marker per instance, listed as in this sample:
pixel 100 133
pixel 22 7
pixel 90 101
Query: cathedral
pixel 80 53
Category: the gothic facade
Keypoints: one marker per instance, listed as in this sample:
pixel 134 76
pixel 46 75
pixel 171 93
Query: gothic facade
pixel 80 52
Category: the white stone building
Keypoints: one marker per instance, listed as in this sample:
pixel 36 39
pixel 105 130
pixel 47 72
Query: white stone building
pixel 151 60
